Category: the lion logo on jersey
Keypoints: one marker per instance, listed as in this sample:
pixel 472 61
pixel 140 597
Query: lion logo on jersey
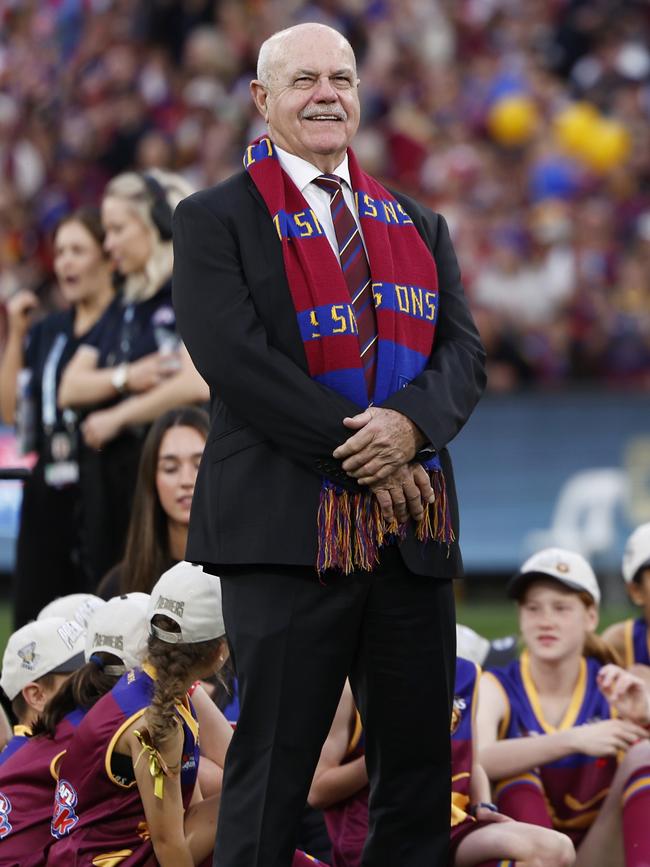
pixel 64 818
pixel 5 809
pixel 457 712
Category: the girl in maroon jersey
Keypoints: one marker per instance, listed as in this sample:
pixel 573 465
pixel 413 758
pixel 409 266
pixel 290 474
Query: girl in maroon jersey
pixel 563 735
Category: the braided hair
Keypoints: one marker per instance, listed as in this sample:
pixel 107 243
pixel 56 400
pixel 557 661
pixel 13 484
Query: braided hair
pixel 176 666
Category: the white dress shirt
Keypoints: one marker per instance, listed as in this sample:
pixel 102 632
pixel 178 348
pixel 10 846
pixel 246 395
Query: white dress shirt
pixel 303 173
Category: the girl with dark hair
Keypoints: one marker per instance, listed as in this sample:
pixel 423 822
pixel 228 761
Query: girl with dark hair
pixel 160 516
pixel 138 368
pixel 47 553
pixel 563 730
pixel 156 540
pixel 115 641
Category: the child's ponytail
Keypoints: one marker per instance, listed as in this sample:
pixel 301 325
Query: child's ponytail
pixel 594 645
pixel 85 687
pixel 599 648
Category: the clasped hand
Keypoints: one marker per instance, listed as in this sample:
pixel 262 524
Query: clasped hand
pixel 380 455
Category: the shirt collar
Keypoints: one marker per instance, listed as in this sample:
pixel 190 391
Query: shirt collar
pixel 23 731
pixel 302 173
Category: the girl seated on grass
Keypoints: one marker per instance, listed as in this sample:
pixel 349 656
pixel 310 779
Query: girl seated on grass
pixel 479 834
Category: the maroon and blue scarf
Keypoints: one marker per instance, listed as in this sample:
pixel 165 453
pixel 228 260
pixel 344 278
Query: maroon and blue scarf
pixel 405 289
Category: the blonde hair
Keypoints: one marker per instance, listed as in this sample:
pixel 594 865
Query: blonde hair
pixel 132 189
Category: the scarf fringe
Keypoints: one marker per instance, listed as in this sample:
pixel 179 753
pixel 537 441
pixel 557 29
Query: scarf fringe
pixel 351 530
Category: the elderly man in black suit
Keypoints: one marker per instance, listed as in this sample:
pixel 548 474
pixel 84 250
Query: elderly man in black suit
pixel 328 318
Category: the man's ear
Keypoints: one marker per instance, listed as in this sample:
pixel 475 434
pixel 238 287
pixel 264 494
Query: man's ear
pixel 260 97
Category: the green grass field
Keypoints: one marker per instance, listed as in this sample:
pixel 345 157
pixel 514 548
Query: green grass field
pixel 490 618
pixel 494 619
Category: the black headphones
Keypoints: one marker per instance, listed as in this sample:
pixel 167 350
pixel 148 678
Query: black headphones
pixel 160 209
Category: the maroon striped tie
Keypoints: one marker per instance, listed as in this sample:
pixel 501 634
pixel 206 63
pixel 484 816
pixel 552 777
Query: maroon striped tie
pixel 354 263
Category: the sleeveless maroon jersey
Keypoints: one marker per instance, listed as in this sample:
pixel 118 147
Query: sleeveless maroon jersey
pixel 575 786
pixel 463 713
pixel 98 813
pixel 27 781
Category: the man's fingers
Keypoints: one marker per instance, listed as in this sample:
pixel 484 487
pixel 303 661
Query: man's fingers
pixel 383 473
pixel 386 505
pixel 356 422
pixel 414 501
pixel 373 469
pixel 422 480
pixel 363 460
pixel 353 444
pixel 399 505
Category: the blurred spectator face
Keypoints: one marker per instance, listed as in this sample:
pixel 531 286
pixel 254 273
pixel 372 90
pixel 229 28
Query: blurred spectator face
pixel 209 52
pixel 79 263
pixel 128 241
pixel 311 101
pixel 153 152
pixel 178 463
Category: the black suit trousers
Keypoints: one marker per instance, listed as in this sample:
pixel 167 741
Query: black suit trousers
pixel 294 640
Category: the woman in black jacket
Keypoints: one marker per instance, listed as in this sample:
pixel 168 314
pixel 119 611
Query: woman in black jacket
pixel 47 553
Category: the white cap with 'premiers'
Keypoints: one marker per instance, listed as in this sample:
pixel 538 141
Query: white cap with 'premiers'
pixel 49 646
pixel 120 627
pixel 637 552
pixel 567 567
pixel 192 599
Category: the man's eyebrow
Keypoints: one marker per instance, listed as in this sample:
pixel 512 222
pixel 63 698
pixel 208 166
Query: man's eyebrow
pixel 346 70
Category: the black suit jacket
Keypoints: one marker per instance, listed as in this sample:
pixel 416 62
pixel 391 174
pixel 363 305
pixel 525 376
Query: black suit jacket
pixel 273 427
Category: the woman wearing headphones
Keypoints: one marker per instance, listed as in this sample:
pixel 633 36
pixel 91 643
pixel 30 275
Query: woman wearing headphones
pixel 36 352
pixel 138 369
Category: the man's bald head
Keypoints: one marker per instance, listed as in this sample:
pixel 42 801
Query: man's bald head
pixel 274 50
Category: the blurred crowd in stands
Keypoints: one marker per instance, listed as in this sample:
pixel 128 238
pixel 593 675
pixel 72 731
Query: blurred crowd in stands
pixel 525 123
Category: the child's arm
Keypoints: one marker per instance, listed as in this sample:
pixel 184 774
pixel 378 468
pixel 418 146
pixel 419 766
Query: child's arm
pixel 333 782
pixel 512 756
pixel 165 816
pixel 215 736
pixel 479 784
